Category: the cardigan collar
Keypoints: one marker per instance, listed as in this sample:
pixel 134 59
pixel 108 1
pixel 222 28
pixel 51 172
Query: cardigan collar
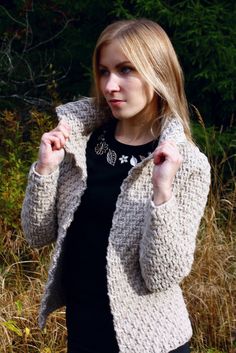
pixel 83 117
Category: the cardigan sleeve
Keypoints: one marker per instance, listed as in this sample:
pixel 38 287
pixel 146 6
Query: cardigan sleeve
pixel 168 243
pixel 38 215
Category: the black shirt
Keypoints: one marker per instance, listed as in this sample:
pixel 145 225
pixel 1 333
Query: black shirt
pixel 89 320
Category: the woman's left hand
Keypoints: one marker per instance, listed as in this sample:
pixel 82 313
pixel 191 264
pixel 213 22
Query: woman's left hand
pixel 167 161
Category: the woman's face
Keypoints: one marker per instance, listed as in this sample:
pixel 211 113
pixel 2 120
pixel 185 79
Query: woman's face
pixel 125 91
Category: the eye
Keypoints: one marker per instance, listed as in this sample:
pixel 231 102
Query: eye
pixel 126 69
pixel 103 72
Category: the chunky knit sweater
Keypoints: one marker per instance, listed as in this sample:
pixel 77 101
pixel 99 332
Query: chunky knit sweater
pixel 150 248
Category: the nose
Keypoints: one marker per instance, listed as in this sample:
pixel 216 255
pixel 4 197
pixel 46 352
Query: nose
pixel 112 84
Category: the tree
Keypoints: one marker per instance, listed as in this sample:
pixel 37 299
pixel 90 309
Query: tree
pixel 46 48
pixel 204 36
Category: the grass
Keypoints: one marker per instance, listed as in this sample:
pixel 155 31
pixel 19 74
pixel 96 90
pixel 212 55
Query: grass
pixel 210 289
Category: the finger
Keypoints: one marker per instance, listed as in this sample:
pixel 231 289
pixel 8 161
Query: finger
pixel 63 131
pixel 170 144
pixel 159 158
pixel 57 145
pixel 166 152
pixel 165 149
pixel 64 128
pixel 60 135
pixel 65 124
pixel 53 140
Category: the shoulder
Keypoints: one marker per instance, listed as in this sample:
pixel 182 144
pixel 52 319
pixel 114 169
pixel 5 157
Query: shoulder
pixel 193 159
pixel 83 106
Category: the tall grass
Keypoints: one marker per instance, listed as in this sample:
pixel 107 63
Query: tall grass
pixel 211 287
pixel 210 290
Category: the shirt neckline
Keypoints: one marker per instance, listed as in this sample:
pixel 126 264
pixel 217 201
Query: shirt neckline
pixel 109 133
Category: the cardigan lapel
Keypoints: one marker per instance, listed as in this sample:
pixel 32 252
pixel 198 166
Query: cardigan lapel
pixel 83 118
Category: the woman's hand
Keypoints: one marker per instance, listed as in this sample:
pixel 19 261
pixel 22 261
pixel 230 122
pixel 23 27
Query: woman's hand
pixel 167 161
pixel 51 150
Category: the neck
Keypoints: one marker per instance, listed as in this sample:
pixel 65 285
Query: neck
pixel 133 134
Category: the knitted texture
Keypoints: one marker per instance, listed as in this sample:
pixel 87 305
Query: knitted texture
pixel 150 249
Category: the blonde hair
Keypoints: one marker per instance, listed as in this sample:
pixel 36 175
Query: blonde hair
pixel 149 49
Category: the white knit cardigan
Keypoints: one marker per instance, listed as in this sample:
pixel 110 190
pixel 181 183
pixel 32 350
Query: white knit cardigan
pixel 150 247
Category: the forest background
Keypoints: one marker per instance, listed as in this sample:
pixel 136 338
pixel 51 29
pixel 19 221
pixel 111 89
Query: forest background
pixel 45 60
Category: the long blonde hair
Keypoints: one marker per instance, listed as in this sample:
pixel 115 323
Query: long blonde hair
pixel 149 49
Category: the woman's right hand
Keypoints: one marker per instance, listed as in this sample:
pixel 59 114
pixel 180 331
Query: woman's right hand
pixel 51 150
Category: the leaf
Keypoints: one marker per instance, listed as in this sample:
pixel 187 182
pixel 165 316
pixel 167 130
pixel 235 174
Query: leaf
pixel 27 332
pixel 12 326
pixel 111 157
pixel 133 161
pixel 46 350
pixel 19 307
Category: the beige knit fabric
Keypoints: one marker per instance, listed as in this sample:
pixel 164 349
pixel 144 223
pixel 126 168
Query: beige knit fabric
pixel 150 247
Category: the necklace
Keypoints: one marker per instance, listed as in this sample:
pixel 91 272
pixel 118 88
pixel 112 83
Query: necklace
pixel 102 148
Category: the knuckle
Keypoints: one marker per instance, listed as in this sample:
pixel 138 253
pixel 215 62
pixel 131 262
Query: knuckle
pixel 58 128
pixel 45 136
pixel 62 131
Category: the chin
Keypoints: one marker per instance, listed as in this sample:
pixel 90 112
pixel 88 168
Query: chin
pixel 121 116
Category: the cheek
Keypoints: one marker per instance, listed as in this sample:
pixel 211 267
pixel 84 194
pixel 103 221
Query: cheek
pixel 138 86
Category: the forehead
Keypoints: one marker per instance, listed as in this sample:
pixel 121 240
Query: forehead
pixel 112 54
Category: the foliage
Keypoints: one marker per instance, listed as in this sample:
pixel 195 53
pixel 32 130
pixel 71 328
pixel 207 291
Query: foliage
pixel 46 48
pixel 20 266
pixel 46 44
pixel 204 36
pixel 220 147
pixel 213 351
pixel 16 155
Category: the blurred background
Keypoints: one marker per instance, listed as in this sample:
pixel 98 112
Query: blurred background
pixel 45 60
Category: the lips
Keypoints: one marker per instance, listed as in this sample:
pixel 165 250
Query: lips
pixel 116 103
pixel 116 100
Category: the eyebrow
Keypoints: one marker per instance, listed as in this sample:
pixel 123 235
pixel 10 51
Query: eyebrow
pixel 119 64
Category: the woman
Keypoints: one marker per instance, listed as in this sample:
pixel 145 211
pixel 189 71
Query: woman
pixel 121 188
